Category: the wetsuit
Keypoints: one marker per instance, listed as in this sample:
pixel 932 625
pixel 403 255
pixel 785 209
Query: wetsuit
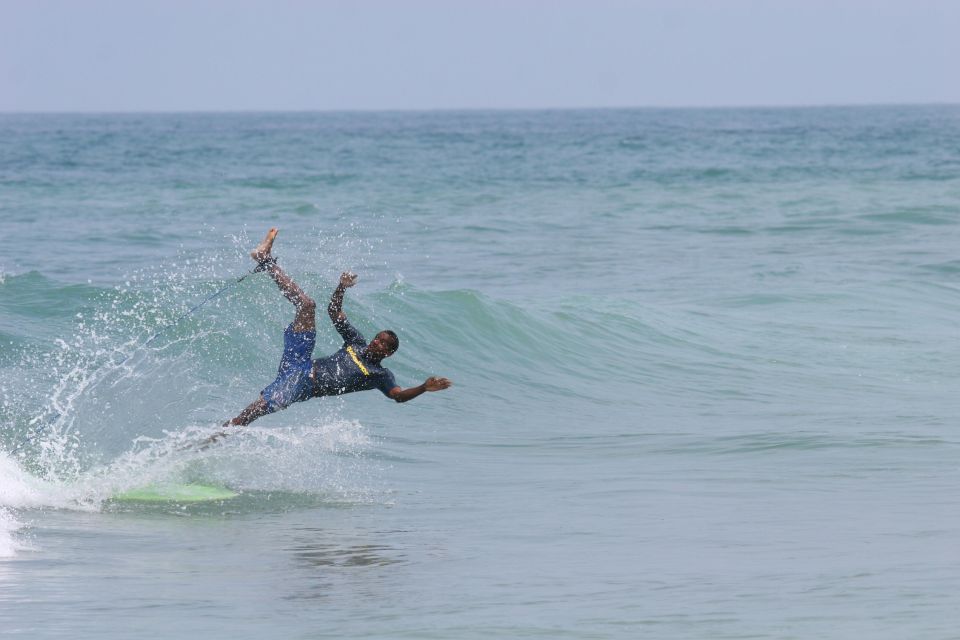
pixel 299 378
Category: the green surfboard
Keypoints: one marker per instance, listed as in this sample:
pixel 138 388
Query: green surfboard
pixel 175 493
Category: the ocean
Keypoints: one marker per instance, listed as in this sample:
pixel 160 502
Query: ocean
pixel 705 372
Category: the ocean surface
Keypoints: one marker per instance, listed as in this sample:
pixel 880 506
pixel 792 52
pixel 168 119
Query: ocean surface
pixel 706 367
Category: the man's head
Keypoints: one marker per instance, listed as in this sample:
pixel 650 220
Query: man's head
pixel 383 345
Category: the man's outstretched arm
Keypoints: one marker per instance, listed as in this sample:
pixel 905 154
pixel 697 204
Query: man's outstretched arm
pixel 432 383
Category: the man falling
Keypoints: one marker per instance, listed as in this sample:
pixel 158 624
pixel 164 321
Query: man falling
pixel 355 367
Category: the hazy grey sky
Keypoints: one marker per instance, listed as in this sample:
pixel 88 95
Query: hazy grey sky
pixel 146 55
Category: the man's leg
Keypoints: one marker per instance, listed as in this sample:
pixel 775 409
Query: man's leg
pixel 257 409
pixel 306 319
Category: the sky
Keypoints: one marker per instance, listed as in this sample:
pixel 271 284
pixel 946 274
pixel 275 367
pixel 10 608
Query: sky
pixel 293 55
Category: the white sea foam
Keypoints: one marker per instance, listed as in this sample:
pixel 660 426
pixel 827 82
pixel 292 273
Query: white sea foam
pixel 323 459
pixel 19 490
pixel 279 458
pixel 9 545
pixel 13 492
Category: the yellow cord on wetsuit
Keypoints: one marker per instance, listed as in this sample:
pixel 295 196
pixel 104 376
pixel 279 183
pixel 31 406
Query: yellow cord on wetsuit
pixel 353 354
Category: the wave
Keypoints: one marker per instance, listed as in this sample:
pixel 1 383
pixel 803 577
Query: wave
pixel 83 377
pixel 92 386
pixel 113 413
pixel 90 409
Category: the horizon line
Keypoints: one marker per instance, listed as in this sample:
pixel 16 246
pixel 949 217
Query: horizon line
pixel 679 107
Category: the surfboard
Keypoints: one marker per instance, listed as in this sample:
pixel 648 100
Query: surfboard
pixel 175 493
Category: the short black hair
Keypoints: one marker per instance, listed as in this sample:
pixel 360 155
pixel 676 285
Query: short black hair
pixel 396 340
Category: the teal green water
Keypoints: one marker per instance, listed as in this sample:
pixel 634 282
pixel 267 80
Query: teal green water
pixel 705 370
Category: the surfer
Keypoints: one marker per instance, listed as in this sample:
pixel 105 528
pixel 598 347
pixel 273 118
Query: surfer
pixel 356 366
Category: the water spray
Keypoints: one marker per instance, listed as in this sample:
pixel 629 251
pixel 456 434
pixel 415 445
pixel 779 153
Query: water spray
pixel 42 422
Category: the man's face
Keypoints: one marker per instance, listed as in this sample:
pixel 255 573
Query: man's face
pixel 381 346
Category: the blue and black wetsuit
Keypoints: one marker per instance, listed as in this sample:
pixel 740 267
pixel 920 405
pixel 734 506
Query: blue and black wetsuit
pixel 300 378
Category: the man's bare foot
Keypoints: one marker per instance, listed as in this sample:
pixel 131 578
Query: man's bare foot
pixel 212 439
pixel 205 443
pixel 262 252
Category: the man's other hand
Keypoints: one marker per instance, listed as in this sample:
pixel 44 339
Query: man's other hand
pixel 435 383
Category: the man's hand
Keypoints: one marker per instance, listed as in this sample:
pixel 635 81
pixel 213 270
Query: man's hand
pixel 435 383
pixel 348 279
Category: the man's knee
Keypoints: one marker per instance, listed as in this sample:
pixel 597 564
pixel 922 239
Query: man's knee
pixel 307 305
